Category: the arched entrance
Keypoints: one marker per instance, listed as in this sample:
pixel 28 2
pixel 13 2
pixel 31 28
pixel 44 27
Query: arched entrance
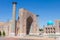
pixel 28 24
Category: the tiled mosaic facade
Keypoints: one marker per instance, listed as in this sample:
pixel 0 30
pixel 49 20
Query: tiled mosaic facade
pixel 27 21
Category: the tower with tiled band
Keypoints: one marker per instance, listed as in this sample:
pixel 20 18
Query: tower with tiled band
pixel 14 17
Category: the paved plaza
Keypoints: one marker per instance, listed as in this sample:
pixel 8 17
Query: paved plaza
pixel 26 38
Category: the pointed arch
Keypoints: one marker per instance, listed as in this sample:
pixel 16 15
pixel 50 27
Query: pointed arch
pixel 28 24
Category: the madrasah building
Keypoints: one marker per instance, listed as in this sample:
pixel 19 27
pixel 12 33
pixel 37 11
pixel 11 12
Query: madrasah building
pixel 52 27
pixel 25 25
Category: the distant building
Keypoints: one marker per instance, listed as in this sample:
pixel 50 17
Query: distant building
pixel 57 23
pixel 4 27
pixel 52 27
pixel 49 29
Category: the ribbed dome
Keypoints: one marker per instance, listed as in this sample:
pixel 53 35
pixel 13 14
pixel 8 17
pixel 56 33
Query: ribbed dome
pixel 50 23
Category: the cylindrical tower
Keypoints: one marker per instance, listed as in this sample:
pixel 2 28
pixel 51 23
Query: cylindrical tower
pixel 14 18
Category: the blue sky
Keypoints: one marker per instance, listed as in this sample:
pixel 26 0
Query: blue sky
pixel 46 9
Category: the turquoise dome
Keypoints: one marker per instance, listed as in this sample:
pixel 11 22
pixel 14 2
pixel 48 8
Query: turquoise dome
pixel 50 23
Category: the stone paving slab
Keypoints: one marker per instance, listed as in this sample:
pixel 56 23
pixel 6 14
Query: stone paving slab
pixel 24 38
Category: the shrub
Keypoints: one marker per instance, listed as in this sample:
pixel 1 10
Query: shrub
pixel 40 29
pixel 0 33
pixel 3 33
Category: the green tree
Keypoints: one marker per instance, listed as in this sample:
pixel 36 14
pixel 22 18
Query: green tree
pixel 40 29
pixel 3 33
pixel 0 33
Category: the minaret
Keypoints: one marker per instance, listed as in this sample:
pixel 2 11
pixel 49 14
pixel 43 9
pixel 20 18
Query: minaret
pixel 14 17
